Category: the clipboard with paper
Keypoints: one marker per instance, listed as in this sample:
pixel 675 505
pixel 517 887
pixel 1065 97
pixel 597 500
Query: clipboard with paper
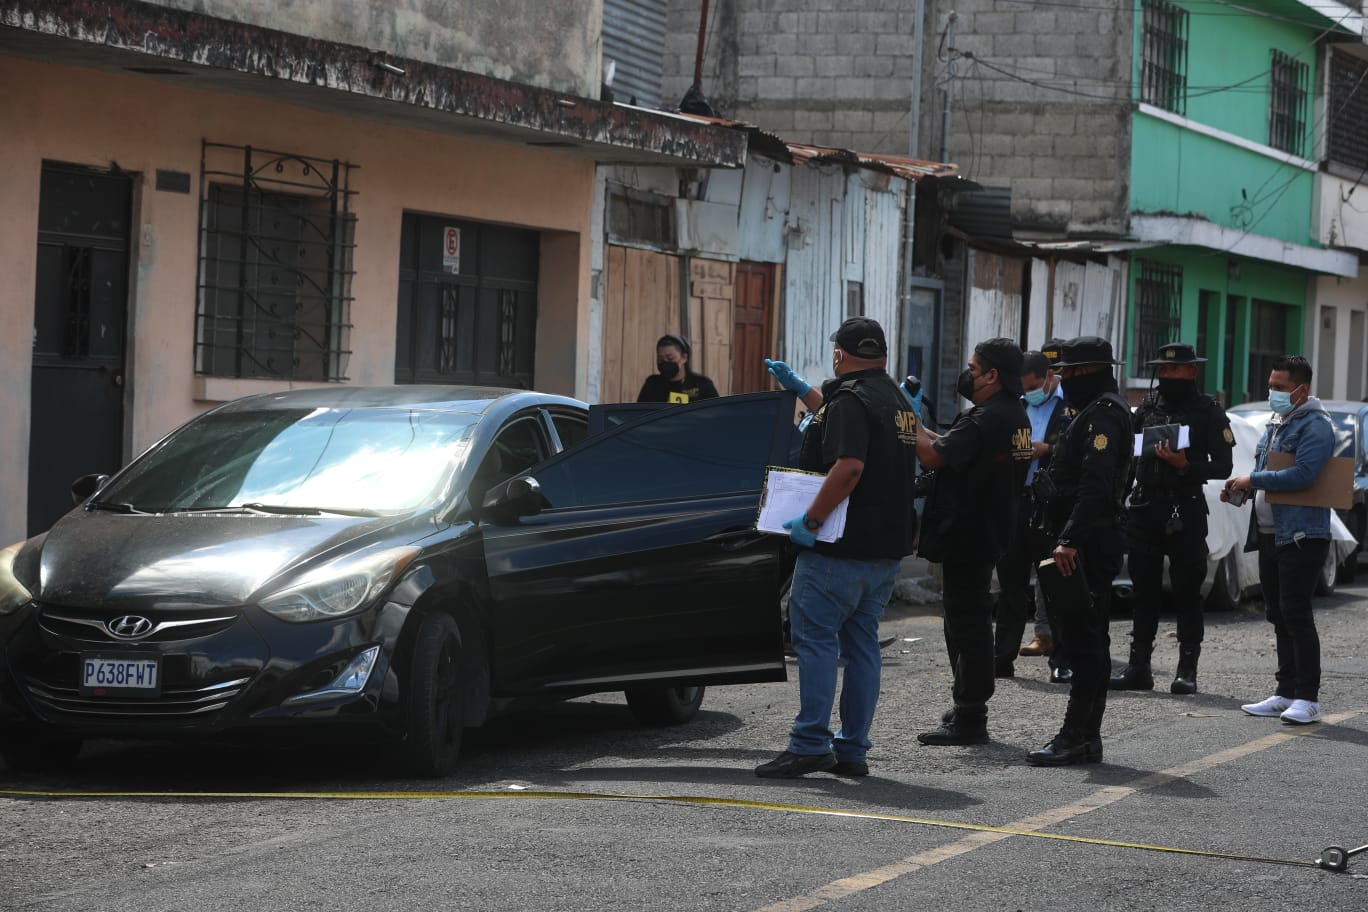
pixel 788 493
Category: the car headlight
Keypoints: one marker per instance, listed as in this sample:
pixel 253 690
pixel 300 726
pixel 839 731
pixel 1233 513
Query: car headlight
pixel 339 588
pixel 13 594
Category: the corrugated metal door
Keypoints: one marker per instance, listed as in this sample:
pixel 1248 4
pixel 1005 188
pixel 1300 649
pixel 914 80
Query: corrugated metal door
pixel 634 37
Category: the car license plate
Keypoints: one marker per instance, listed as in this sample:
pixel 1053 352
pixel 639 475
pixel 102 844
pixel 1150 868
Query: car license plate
pixel 102 676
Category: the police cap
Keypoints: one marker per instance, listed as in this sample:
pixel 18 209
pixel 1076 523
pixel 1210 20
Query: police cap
pixel 1176 353
pixel 1086 350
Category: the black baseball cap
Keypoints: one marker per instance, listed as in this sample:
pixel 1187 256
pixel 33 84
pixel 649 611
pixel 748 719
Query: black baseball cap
pixel 1053 350
pixel 1176 353
pixel 862 337
pixel 1005 356
pixel 1086 350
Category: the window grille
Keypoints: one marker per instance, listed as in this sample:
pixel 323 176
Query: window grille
pixel 1348 121
pixel 1158 310
pixel 1163 64
pixel 275 268
pixel 1287 103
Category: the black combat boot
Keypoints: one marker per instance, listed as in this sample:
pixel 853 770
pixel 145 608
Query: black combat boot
pixel 1092 729
pixel 1185 681
pixel 1137 674
pixel 959 726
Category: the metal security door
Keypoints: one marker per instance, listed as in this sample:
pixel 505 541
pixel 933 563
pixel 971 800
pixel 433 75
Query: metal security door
pixel 80 314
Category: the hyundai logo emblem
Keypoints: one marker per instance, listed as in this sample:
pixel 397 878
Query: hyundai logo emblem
pixel 129 627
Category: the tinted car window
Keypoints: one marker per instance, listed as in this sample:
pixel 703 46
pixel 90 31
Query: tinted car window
pixel 385 459
pixel 684 452
pixel 571 429
pixel 516 448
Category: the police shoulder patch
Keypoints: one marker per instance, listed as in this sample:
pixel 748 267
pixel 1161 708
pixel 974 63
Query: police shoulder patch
pixel 1100 442
pixel 1229 436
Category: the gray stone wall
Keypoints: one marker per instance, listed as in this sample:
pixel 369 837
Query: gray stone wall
pixel 555 45
pixel 1039 95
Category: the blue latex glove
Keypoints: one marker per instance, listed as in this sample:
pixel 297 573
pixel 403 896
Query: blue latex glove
pixel 787 378
pixel 799 533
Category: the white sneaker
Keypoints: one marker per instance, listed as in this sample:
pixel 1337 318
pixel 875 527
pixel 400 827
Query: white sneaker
pixel 1302 712
pixel 1273 706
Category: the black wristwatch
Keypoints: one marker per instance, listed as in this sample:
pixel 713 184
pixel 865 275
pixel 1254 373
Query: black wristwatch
pixel 812 525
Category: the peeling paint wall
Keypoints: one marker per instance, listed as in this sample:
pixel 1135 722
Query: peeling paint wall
pixel 552 45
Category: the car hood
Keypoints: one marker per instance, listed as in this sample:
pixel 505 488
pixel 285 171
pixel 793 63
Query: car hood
pixel 190 561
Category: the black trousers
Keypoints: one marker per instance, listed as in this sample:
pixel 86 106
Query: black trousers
pixel 1016 594
pixel 968 601
pixel 1288 576
pixel 1148 544
pixel 1087 641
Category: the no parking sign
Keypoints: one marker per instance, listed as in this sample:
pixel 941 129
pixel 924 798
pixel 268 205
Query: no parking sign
pixel 451 249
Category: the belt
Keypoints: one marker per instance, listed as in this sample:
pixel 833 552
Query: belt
pixel 1148 494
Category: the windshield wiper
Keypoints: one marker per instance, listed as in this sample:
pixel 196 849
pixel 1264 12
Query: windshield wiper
pixel 305 511
pixel 112 507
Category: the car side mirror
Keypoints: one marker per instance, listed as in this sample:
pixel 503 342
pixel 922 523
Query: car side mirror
pixel 513 499
pixel 85 487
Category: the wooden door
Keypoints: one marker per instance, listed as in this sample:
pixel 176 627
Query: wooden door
pixel 640 304
pixel 752 336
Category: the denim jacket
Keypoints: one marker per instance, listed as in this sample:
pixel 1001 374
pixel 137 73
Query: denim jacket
pixel 1307 433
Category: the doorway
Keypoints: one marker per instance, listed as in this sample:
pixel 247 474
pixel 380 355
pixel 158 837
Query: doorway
pixel 753 327
pixel 76 415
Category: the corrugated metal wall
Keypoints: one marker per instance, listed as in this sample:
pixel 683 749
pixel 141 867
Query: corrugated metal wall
pixel 883 201
pixel 765 198
pixel 814 279
pixel 634 36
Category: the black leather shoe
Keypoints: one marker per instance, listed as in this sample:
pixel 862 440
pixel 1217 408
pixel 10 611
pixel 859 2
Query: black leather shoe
pixel 1063 750
pixel 1002 668
pixel 948 716
pixel 1182 685
pixel 955 732
pixel 1061 675
pixel 1133 677
pixel 851 768
pixel 1094 749
pixel 791 766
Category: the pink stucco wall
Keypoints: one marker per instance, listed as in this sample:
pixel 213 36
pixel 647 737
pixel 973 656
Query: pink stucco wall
pixel 92 118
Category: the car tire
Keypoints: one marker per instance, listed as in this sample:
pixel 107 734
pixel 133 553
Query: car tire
pixel 38 753
pixel 434 702
pixel 1329 572
pixel 1225 588
pixel 665 705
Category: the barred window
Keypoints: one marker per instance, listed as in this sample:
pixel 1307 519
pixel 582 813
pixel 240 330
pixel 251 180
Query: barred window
pixel 1163 63
pixel 1348 120
pixel 1158 310
pixel 1287 103
pixel 276 240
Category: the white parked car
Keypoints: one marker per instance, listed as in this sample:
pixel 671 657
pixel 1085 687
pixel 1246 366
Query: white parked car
pixel 1233 573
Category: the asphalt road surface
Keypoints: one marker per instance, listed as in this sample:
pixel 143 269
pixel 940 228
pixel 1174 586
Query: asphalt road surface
pixel 576 807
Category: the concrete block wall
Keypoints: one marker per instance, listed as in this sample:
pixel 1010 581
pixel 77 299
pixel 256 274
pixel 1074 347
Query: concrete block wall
pixel 1039 101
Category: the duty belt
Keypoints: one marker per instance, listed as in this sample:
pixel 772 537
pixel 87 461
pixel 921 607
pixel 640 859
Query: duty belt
pixel 1145 495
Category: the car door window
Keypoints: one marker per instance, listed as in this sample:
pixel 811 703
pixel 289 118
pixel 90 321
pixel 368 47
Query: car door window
pixel 516 448
pixel 709 448
pixel 571 429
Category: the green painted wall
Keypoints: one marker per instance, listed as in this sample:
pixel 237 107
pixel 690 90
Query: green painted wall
pixel 1175 170
pixel 1231 287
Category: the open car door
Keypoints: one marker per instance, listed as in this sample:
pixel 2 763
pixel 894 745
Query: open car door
pixel 640 562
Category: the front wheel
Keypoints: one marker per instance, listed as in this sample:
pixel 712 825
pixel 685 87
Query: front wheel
pixel 665 705
pixel 434 709
pixel 1225 589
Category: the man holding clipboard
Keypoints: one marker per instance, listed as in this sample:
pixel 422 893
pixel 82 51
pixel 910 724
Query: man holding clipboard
pixel 863 438
pixel 1292 538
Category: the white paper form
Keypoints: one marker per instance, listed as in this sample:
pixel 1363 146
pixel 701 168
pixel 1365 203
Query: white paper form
pixel 788 493
pixel 1184 439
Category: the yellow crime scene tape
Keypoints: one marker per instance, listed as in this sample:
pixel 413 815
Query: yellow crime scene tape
pixel 667 799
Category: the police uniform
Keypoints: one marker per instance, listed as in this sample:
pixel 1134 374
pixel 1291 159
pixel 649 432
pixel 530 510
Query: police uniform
pixel 1081 496
pixel 1168 518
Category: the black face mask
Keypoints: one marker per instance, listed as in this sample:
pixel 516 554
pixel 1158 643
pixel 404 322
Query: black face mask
pixel 668 369
pixel 1081 389
pixel 1176 389
pixel 965 386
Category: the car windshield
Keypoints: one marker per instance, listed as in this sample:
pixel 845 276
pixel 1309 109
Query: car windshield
pixel 380 460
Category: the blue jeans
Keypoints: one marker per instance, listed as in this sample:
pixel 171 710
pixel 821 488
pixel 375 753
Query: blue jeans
pixel 834 610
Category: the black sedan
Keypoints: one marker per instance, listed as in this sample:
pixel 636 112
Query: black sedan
pixel 407 560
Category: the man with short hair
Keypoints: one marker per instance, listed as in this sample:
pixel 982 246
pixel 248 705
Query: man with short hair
pixel 862 437
pixel 969 523
pixel 1048 415
pixel 1292 540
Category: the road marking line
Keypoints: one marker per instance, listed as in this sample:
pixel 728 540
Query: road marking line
pixel 1104 797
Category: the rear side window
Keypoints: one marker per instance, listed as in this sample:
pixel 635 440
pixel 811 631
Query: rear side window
pixel 691 451
pixel 571 429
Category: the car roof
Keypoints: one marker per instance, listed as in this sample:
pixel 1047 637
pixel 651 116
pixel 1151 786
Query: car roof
pixel 463 399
